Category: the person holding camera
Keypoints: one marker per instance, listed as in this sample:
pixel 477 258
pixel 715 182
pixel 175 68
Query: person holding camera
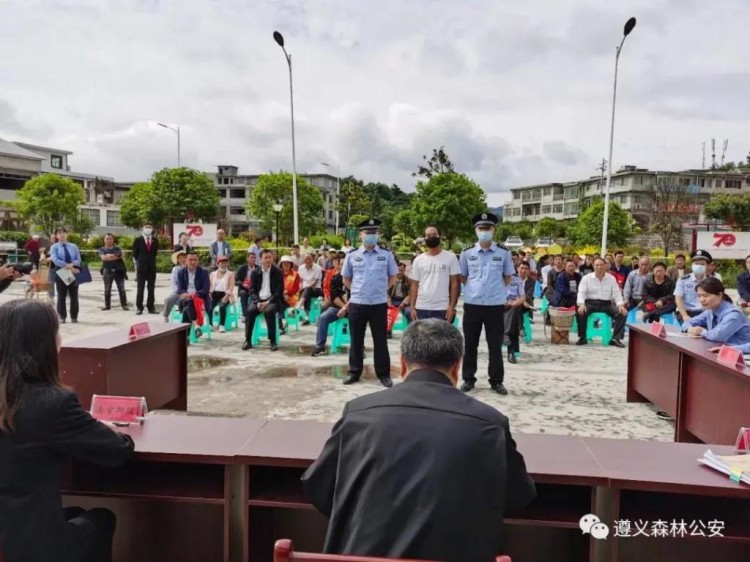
pixel 66 255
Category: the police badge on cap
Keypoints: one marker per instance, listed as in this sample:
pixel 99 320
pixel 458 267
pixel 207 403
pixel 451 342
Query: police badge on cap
pixel 701 255
pixel 369 224
pixel 485 219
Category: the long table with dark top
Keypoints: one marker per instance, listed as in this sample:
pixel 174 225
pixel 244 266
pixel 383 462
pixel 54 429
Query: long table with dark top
pixel 225 489
pixel 154 366
pixel 709 400
pixel 175 500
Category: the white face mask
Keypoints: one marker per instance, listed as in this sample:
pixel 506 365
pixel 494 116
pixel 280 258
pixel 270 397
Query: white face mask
pixel 699 269
pixel 147 231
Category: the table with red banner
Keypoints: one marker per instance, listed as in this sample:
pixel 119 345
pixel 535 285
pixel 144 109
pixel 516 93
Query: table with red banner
pixel 708 399
pixel 203 488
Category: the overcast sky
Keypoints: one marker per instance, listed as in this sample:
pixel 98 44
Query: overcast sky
pixel 518 93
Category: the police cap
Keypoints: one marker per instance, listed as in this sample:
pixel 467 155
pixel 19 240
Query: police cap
pixel 485 219
pixel 701 255
pixel 369 224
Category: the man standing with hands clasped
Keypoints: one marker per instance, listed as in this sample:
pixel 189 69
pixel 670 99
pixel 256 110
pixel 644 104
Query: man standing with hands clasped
pixel 486 270
pixel 368 273
pixel 145 250
pixel 434 280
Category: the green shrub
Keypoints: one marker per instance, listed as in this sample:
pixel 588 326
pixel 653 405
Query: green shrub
pixel 334 240
pixel 14 236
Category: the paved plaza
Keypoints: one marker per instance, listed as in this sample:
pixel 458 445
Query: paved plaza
pixel 552 389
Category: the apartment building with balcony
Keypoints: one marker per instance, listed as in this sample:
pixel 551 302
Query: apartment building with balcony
pixel 628 188
pixel 235 190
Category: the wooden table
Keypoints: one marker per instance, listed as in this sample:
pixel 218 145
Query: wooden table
pixel 709 401
pixel 175 500
pixel 153 366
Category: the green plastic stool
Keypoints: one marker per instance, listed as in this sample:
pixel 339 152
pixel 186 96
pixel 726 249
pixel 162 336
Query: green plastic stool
pixel 232 319
pixel 341 335
pixel 206 329
pixel 457 321
pixel 315 309
pixel 175 317
pixel 604 331
pixel 544 306
pixel 260 330
pixel 526 327
pixel 291 316
pixel 401 323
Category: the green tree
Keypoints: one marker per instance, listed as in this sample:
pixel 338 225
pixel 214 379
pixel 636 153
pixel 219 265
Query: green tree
pixel 353 199
pixel 547 226
pixel 588 229
pixel 172 195
pixel 404 224
pixel 449 201
pixel 669 205
pixel 732 209
pixel 49 201
pixel 439 163
pixel 275 188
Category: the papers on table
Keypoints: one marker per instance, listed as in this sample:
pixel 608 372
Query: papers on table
pixel 737 467
pixel 66 275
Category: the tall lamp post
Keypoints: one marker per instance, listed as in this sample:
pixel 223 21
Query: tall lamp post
pixel 277 209
pixel 176 130
pixel 629 25
pixel 338 191
pixel 279 38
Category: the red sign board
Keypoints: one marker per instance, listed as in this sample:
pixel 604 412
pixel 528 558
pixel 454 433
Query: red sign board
pixel 743 441
pixel 658 330
pixel 118 409
pixel 139 330
pixel 731 356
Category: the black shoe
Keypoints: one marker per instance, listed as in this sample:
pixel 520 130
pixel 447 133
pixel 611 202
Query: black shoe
pixel 125 307
pixel 662 415
pixel 467 386
pixel 152 311
pixel 351 378
pixel 581 341
pixel 104 308
pixel 305 322
pixel 512 358
pixel 617 343
pixel 389 335
pixel 138 312
pixel 62 321
pixel 74 320
pixel 386 381
pixel 318 351
pixel 499 388
pixel 274 347
pixel 247 345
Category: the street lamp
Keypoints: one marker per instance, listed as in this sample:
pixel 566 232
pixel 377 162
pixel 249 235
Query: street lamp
pixel 629 25
pixel 279 38
pixel 338 191
pixel 277 209
pixel 176 130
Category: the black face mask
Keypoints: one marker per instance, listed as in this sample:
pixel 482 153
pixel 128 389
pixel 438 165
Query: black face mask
pixel 432 242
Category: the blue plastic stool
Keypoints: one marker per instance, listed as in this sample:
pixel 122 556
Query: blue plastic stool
pixel 260 330
pixel 604 331
pixel 291 315
pixel 632 316
pixel 526 327
pixel 537 290
pixel 341 336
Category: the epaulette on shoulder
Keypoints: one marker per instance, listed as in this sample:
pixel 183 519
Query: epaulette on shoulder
pixel 503 247
pixel 686 276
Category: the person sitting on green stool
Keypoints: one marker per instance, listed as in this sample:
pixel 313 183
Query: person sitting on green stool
pixel 515 308
pixel 599 292
pixel 338 308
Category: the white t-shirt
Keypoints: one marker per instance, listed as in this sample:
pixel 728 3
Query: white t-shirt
pixel 433 273
pixel 310 277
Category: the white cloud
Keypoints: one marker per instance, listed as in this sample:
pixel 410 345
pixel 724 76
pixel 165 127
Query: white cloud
pixel 517 93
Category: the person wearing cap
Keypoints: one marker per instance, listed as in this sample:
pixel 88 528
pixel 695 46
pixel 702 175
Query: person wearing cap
pixel 178 260
pixel 685 294
pixel 368 273
pixel 328 262
pixel 222 289
pixel 486 271
pixel 291 289
pixel 243 281
pixel 338 296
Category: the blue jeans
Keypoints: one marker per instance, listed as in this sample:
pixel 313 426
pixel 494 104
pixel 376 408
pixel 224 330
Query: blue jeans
pixel 425 314
pixel 325 319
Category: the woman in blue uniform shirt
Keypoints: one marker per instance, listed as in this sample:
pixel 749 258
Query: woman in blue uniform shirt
pixel 42 426
pixel 720 321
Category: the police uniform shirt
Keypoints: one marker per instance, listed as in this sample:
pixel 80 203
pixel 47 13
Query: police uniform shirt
pixel 516 288
pixel 484 271
pixel 369 271
pixel 686 288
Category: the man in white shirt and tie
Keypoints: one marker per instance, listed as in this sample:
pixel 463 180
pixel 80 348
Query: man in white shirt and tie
pixel 599 292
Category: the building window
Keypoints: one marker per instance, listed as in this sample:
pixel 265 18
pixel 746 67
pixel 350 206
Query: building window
pixel 734 184
pixel 222 193
pixel 237 193
pixel 717 183
pixel 546 209
pixel 56 161
pixel 516 195
pixel 113 218
pixel 557 208
pixel 547 191
pixel 236 210
pixel 92 215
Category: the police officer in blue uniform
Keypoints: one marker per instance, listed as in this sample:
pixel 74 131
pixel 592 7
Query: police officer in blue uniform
pixel 486 270
pixel 685 294
pixel 368 273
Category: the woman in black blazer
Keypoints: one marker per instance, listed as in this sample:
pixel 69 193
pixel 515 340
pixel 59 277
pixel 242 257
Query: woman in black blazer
pixel 42 426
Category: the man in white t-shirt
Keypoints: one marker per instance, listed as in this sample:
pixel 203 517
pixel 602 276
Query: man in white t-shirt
pixel 311 275
pixel 434 281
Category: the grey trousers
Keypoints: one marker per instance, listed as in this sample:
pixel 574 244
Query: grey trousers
pixel 169 302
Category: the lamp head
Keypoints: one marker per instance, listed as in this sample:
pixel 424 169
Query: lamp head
pixel 279 38
pixel 629 25
pixel 278 207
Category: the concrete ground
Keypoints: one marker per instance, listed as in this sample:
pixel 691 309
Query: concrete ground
pixel 552 389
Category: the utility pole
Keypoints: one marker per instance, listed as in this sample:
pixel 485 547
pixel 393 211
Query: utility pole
pixel 602 168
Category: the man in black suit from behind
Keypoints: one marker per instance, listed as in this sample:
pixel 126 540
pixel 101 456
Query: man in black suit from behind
pixel 422 471
pixel 266 292
pixel 145 250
